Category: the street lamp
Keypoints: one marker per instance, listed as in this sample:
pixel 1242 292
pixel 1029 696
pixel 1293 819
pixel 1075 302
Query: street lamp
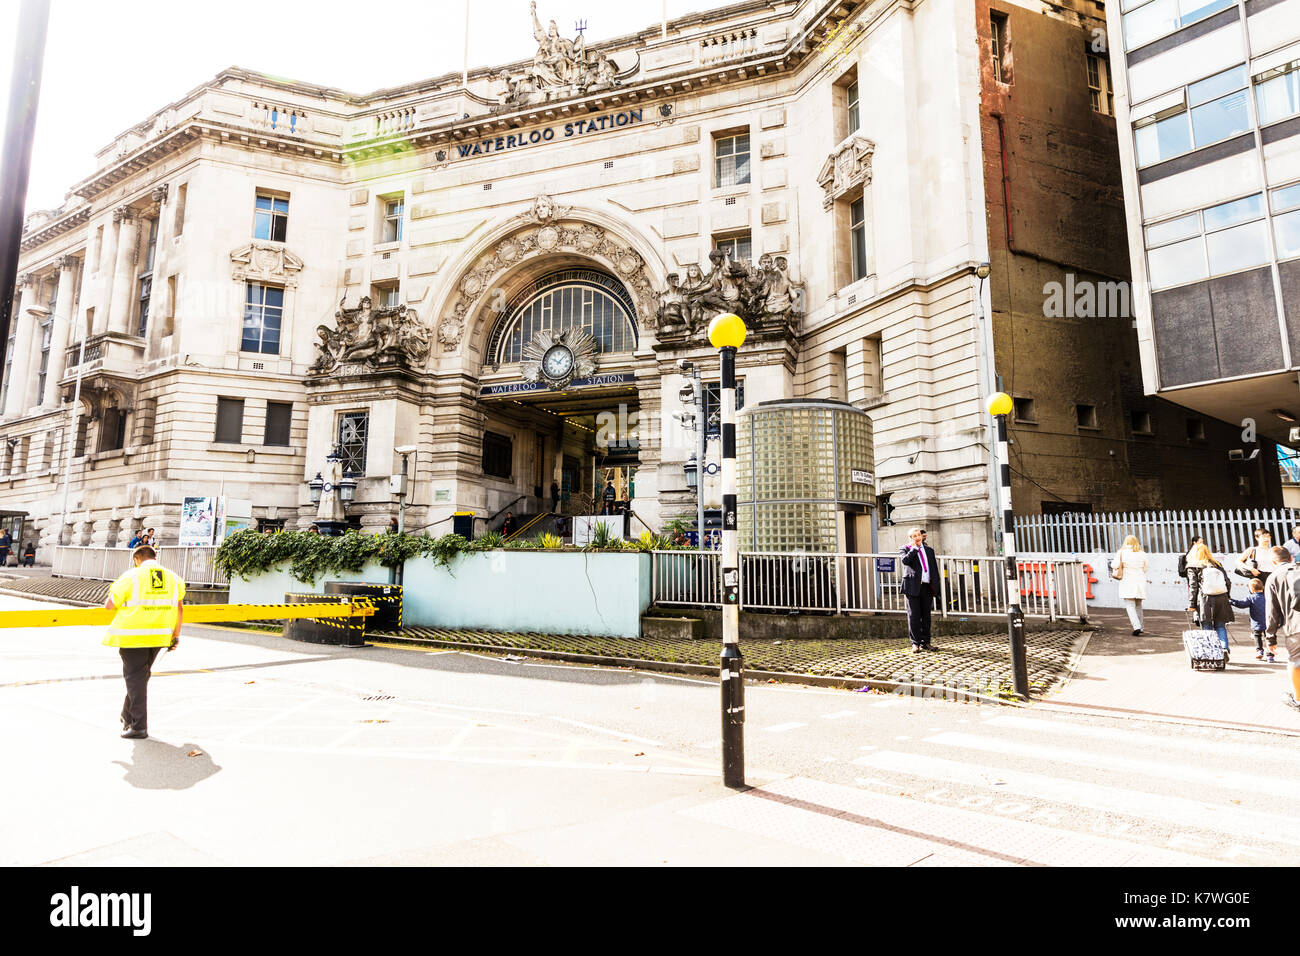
pixel 332 494
pixel 1000 406
pixel 692 474
pixel 406 451
pixel 693 393
pixel 727 333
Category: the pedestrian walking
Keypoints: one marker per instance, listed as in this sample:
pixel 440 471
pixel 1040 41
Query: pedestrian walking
pixel 148 600
pixel 555 497
pixel 610 496
pixel 1209 594
pixel 1129 567
pixel 1258 561
pixel 509 527
pixel 6 545
pixel 1255 603
pixel 29 555
pixel 392 526
pixel 1282 595
pixel 1182 558
pixel 1292 544
pixel 137 539
pixel 920 587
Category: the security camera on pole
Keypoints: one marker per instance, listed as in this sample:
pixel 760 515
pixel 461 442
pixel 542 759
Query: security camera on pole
pixel 727 333
pixel 1000 406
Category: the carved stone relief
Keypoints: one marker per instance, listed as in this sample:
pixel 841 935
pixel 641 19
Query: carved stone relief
pixel 366 338
pixel 763 295
pixel 265 262
pixel 846 168
pixel 544 232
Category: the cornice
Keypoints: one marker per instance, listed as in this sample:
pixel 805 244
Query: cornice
pixel 54 229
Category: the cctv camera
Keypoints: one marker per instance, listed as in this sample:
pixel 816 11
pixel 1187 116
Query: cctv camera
pixel 684 365
pixel 686 393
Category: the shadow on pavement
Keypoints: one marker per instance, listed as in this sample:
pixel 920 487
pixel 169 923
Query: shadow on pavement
pixel 156 765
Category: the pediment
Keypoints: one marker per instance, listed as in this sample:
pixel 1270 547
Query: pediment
pixel 265 261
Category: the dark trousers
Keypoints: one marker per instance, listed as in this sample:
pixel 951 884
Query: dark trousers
pixel 136 662
pixel 918 617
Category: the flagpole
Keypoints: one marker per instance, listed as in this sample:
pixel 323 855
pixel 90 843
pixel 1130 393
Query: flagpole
pixel 464 68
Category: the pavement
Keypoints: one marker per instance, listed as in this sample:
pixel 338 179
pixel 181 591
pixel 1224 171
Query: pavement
pixel 1149 676
pixel 1102 670
pixel 267 751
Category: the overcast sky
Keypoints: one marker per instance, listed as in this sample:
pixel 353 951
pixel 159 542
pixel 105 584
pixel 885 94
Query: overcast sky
pixel 111 63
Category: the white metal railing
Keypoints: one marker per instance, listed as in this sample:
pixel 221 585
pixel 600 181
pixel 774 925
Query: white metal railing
pixel 971 585
pixel 1226 532
pixel 195 565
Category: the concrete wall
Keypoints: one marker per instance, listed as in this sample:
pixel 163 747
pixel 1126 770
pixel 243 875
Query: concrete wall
pixel 555 593
pixel 558 593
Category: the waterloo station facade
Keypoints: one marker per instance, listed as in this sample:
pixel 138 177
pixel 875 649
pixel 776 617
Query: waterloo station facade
pixel 264 270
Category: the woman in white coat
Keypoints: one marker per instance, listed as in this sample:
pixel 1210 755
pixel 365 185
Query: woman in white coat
pixel 1130 568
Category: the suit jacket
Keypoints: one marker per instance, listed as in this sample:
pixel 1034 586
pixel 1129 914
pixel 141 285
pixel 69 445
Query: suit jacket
pixel 912 583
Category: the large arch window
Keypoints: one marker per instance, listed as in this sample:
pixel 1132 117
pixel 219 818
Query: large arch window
pixel 575 297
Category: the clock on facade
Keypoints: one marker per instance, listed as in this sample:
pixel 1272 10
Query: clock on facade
pixel 556 358
pixel 557 363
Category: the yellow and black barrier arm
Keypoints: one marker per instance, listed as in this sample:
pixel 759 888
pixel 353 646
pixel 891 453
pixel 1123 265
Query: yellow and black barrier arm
pixel 194 613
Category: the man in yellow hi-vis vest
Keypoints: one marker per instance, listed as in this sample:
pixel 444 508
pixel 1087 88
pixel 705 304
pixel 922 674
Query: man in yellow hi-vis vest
pixel 148 603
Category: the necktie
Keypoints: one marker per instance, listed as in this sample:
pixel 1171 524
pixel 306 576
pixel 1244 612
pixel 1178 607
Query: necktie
pixel 924 567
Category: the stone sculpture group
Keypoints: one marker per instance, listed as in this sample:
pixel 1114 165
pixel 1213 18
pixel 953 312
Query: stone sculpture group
pixel 762 294
pixel 370 336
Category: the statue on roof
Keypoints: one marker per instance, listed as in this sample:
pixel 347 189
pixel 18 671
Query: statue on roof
pixel 561 67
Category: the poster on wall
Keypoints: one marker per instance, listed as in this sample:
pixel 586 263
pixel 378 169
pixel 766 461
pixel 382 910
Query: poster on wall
pixel 198 521
pixel 238 515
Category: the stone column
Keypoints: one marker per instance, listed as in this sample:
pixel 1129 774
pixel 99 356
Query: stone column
pixel 160 305
pixel 102 288
pixel 119 310
pixel 59 340
pixel 18 370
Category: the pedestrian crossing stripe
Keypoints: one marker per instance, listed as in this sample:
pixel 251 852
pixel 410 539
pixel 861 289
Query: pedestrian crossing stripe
pixel 1086 796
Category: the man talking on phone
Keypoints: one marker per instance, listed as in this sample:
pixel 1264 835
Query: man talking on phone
pixel 920 586
pixel 149 611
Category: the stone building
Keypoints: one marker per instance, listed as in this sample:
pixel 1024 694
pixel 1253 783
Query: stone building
pixel 505 272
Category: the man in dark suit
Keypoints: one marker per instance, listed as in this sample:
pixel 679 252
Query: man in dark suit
pixel 920 586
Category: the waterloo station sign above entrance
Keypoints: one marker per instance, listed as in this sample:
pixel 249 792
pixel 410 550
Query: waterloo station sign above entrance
pixel 560 131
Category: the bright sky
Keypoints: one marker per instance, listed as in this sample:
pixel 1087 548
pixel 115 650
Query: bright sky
pixel 111 63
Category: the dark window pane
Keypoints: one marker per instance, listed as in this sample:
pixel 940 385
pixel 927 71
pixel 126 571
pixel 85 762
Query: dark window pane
pixel 498 455
pixel 353 429
pixel 278 228
pixel 278 417
pixel 230 420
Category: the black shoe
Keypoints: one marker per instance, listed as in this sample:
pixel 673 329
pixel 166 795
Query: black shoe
pixel 1137 632
pixel 135 734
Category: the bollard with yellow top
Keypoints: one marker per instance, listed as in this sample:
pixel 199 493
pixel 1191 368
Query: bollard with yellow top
pixel 999 407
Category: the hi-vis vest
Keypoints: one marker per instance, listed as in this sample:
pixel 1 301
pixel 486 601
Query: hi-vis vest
pixel 146 600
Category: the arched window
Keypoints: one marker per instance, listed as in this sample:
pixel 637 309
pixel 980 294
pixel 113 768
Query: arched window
pixel 575 297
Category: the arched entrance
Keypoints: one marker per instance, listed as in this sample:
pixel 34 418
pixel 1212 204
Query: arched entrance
pixel 559 377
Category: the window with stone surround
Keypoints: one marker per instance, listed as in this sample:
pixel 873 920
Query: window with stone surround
pixel 845 112
pixel 731 159
pixel 263 319
pixel 271 216
pixel 279 416
pixel 112 429
pixel 354 429
pixel 738 246
pixel 178 215
pixel 230 421
pixel 145 281
pixel 47 336
pixel 858 236
pixel 394 211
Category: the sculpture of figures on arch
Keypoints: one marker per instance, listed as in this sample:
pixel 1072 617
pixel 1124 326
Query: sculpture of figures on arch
pixel 762 294
pixel 367 338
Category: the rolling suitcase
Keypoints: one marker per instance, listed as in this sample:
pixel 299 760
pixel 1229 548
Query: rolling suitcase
pixel 1204 650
